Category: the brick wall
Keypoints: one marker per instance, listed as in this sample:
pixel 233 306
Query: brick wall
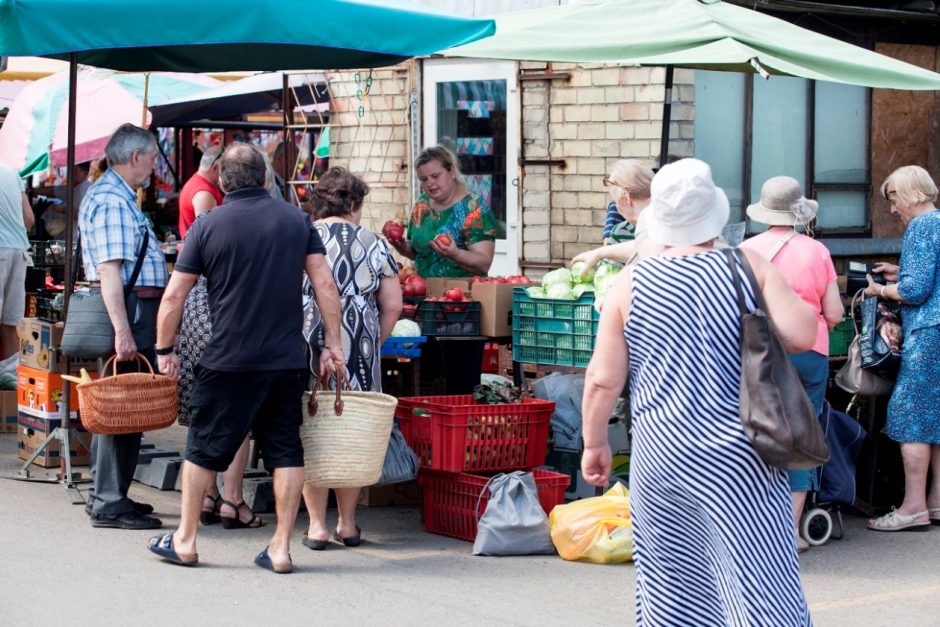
pixel 600 115
pixel 375 144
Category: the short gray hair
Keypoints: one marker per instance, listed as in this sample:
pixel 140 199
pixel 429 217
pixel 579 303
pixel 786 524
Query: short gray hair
pixel 241 166
pixel 209 157
pixel 125 141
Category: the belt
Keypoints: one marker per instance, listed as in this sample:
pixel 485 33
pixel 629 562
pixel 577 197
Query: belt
pixel 140 291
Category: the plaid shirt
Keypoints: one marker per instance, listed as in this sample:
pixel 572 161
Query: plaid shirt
pixel 112 227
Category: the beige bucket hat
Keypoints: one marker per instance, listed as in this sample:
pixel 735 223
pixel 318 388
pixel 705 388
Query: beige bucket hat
pixel 782 203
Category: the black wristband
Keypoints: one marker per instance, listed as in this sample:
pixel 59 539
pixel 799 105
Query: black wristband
pixel 164 351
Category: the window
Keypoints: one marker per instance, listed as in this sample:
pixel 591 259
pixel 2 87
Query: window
pixel 816 132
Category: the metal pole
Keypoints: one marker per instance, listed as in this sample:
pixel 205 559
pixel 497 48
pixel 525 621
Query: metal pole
pixel 286 105
pixel 667 115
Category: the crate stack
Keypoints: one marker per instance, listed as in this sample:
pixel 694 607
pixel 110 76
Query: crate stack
pixel 555 332
pixel 38 399
pixel 43 301
pixel 462 443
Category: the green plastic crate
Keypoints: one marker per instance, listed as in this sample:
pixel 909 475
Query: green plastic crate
pixel 556 332
pixel 840 337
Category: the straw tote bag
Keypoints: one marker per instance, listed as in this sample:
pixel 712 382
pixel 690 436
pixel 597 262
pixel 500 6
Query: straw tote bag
pixel 776 413
pixel 345 436
pixel 127 403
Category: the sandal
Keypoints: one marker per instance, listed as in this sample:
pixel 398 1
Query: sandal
pixel 312 543
pixel 893 521
pixel 350 541
pixel 163 546
pixel 236 522
pixel 211 516
pixel 263 560
pixel 934 513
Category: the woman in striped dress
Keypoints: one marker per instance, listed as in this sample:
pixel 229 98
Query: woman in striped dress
pixel 712 523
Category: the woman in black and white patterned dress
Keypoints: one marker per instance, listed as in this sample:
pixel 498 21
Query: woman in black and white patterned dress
pixel 366 277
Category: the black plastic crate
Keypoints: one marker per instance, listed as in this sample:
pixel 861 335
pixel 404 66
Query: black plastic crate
pixel 47 253
pixel 49 306
pixel 449 318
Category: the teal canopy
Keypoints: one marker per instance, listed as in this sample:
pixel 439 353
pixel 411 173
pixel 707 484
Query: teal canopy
pixel 697 34
pixel 223 35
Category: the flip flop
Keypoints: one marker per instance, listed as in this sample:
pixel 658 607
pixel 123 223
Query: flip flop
pixel 163 546
pixel 312 544
pixel 351 541
pixel 264 561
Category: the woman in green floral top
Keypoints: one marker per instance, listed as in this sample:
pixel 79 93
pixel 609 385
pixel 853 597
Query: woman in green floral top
pixel 446 206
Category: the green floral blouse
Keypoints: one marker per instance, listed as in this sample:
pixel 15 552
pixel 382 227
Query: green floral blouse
pixel 468 221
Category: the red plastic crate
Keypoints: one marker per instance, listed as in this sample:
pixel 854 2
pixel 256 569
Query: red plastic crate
pixel 458 434
pixel 452 502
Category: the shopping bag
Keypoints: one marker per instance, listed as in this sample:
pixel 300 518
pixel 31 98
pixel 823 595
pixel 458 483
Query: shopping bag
pixel 401 463
pixel 837 476
pixel 514 522
pixel 596 529
pixel 880 337
pixel 854 379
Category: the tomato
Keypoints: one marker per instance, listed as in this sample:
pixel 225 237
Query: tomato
pixel 455 294
pixel 419 285
pixel 393 231
pixel 408 289
pixel 444 240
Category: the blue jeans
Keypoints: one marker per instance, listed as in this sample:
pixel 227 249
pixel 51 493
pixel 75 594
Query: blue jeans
pixel 814 373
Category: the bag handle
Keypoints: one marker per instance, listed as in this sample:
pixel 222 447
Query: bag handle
pixel 856 298
pixel 779 245
pixel 313 406
pixel 113 363
pixel 729 255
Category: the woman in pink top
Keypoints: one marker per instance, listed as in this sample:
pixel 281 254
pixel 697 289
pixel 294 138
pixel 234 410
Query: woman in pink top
pixel 807 267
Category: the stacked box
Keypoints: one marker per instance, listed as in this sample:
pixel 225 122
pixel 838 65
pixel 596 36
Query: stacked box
pixel 9 414
pixel 32 432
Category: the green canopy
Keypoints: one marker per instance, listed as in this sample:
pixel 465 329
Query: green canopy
pixel 222 35
pixel 697 34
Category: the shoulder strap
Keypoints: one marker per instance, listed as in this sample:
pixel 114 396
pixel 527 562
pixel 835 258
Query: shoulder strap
pixel 735 278
pixel 779 245
pixel 137 265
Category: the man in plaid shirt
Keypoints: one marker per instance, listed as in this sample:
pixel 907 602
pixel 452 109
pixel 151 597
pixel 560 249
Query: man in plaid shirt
pixel 112 233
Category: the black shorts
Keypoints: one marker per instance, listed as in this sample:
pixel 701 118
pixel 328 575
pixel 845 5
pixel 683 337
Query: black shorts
pixel 225 405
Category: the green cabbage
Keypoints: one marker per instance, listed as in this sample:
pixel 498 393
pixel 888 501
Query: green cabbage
pixel 406 328
pixel 560 291
pixel 536 291
pixel 561 276
pixel 581 288
pixel 580 273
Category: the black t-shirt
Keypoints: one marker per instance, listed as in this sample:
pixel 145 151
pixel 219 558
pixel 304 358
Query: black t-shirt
pixel 252 249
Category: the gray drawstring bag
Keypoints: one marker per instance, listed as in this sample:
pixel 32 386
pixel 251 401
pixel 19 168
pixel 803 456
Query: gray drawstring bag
pixel 514 522
pixel 401 463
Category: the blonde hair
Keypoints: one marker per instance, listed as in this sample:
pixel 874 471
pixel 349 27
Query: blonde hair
pixel 632 176
pixel 444 156
pixel 912 185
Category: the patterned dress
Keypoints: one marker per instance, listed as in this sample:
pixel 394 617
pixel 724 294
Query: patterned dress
pixel 359 260
pixel 712 523
pixel 468 221
pixel 195 332
pixel 914 408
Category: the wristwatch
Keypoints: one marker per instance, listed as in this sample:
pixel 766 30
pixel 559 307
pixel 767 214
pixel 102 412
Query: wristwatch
pixel 169 350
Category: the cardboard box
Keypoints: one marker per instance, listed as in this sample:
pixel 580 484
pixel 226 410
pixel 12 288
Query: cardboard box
pixel 495 308
pixel 9 414
pixel 408 493
pixel 32 431
pixel 39 393
pixel 39 343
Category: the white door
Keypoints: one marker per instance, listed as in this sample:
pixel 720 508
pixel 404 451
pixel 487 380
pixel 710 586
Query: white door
pixel 473 108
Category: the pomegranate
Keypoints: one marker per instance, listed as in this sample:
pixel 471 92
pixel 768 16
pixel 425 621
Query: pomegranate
pixel 393 231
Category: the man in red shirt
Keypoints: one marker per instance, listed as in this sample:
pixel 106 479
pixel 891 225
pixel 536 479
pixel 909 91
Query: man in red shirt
pixel 201 192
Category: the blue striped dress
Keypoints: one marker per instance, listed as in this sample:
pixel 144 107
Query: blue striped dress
pixel 712 523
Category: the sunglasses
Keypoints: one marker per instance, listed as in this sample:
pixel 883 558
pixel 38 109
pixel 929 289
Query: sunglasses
pixel 608 182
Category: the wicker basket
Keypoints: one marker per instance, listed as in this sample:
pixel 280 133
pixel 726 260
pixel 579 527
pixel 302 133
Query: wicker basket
pixel 345 437
pixel 127 403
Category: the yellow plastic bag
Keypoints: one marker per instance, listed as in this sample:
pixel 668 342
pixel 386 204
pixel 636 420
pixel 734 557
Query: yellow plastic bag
pixel 596 529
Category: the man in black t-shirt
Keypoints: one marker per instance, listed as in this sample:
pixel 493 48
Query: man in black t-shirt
pixel 253 250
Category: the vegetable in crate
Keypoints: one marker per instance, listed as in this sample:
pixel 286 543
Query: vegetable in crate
pixel 497 393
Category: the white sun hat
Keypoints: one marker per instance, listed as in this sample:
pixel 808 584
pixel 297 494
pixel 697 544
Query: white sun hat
pixel 686 207
pixel 782 203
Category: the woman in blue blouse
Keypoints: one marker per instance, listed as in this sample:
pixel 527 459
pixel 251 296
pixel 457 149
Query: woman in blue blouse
pixel 914 409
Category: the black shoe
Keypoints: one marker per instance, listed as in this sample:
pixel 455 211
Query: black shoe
pixel 144 509
pixel 127 520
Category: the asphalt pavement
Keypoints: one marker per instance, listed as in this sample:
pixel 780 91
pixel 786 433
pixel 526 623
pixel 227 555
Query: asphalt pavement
pixel 57 569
